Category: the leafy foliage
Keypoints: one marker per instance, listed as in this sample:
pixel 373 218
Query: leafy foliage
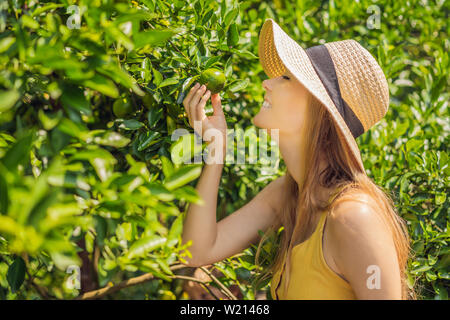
pixel 84 183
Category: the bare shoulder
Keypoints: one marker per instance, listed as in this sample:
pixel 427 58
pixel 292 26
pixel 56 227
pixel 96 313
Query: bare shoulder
pixel 357 226
pixel 359 215
pixel 359 241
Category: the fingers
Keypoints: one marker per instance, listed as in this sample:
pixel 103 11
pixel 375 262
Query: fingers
pixel 195 102
pixel 200 108
pixel 196 97
pixel 217 105
pixel 188 98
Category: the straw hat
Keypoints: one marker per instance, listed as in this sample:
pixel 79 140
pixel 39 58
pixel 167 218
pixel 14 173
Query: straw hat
pixel 342 75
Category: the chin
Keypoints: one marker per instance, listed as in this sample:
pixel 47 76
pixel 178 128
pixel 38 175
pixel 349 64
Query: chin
pixel 262 124
pixel 258 121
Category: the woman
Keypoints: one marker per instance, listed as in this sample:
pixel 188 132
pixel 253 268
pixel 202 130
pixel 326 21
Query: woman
pixel 342 238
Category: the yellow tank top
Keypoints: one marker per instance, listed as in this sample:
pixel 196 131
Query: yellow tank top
pixel 311 277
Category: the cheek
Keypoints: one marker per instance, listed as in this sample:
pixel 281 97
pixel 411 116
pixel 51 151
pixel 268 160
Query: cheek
pixel 288 110
pixel 289 114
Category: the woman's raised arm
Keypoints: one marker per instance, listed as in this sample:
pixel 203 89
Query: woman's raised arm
pixel 212 241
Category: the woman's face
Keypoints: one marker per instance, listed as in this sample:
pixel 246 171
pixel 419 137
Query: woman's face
pixel 287 99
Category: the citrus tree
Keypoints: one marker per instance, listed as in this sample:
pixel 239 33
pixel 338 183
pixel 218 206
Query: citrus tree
pixel 93 186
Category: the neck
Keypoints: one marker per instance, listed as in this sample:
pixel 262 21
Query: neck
pixel 293 150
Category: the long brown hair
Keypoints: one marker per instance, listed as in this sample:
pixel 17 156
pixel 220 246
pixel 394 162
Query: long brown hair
pixel 342 175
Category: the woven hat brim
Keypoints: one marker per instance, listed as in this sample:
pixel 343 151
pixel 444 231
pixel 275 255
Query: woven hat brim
pixel 278 52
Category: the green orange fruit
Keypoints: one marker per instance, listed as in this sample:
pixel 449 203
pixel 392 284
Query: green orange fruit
pixel 122 107
pixel 148 101
pixel 214 80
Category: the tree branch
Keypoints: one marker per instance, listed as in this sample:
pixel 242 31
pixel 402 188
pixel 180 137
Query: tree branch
pixel 42 291
pixel 171 43
pixel 202 283
pixel 100 293
pixel 225 289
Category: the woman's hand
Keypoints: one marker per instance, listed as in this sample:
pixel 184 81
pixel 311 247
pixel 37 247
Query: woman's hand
pixel 194 103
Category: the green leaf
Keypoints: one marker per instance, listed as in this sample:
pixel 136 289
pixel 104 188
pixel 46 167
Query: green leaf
pixel 159 191
pixel 120 76
pixel 230 16
pixel 39 211
pixel 183 176
pixel 421 269
pixel 232 35
pixel 198 10
pixel 207 16
pixel 242 191
pixel 188 193
pixel 4 197
pixel 168 82
pixel 142 246
pixel 168 209
pixel 212 61
pixel 246 54
pixel 117 35
pixel 19 153
pixel 148 138
pixel 102 85
pixel 73 97
pixel 9 226
pixel 63 260
pixel 45 8
pixel 153 268
pixel 152 38
pixel 101 228
pixel 29 22
pixel 102 161
pixel 68 180
pixel 413 144
pixel 440 198
pixel 157 77
pixel 228 272
pixel 238 85
pixel 167 166
pixel 175 231
pixel 124 231
pixel 145 66
pixel 131 124
pixel 6 43
pixel 16 274
pixel 135 16
pixel 186 84
pixel 8 99
pixel 73 129
pixel 153 116
pixel 112 139
pixel 405 182
pixel 164 266
pixel 48 120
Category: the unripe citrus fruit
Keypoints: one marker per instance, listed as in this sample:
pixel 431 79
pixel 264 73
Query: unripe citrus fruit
pixel 122 107
pixel 213 79
pixel 148 101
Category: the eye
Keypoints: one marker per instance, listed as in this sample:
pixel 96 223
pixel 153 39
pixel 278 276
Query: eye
pixel 286 77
